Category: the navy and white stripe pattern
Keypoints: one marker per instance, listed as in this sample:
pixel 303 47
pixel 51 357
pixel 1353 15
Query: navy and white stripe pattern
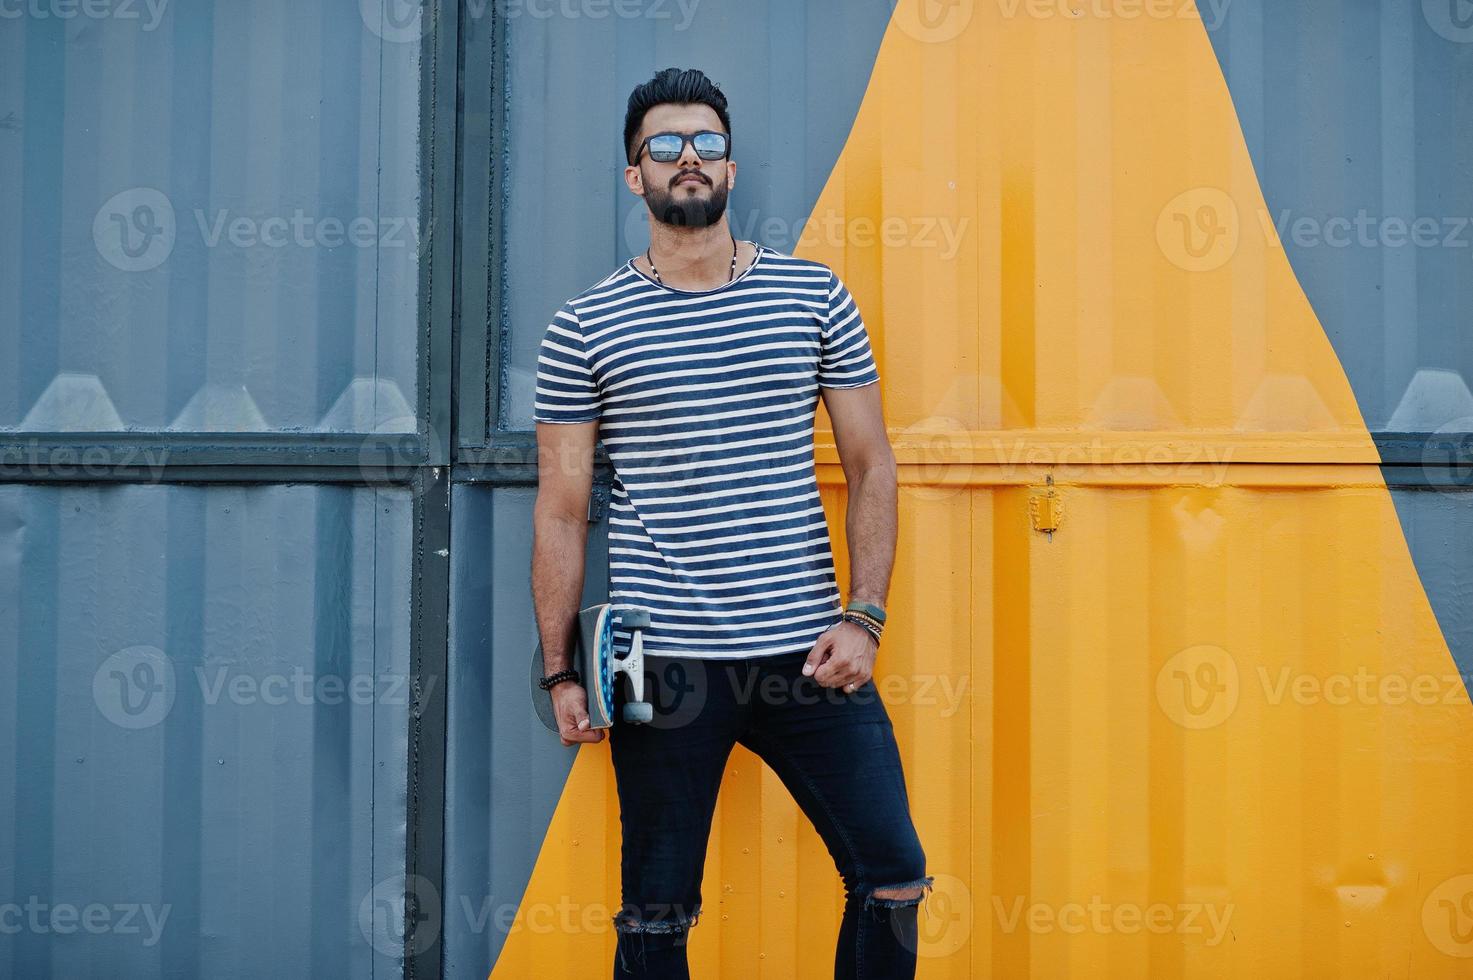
pixel 705 402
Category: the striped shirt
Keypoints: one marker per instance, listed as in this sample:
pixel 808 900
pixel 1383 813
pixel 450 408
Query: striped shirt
pixel 706 401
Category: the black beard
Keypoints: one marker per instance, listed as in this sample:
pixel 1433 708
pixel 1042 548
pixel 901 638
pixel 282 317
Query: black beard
pixel 687 212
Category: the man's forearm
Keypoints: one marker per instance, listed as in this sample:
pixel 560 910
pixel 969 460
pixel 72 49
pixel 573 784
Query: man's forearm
pixel 558 551
pixel 871 526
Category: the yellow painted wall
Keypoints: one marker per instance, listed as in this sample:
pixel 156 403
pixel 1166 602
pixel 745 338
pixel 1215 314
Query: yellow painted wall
pixel 1209 727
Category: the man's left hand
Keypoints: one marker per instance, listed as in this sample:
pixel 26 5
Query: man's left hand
pixel 843 657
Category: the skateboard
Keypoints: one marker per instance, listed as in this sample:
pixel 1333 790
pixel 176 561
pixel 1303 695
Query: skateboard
pixel 599 668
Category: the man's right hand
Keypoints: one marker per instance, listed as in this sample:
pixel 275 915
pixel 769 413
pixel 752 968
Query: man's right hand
pixel 570 707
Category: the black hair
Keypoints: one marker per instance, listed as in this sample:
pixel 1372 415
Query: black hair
pixel 690 86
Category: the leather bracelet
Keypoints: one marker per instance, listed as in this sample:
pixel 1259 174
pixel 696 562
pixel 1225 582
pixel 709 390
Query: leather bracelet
pixel 868 608
pixel 547 683
pixel 864 624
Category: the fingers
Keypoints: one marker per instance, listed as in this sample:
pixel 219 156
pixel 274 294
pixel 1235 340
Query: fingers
pixel 582 733
pixel 581 730
pixel 817 656
pixel 841 669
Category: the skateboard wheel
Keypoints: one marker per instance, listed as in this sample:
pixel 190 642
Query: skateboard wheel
pixel 634 619
pixel 639 712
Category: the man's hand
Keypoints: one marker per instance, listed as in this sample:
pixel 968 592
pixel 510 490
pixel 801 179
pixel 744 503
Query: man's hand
pixel 844 656
pixel 570 707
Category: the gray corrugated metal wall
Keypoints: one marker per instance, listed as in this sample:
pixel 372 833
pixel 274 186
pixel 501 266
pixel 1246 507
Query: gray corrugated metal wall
pixel 1354 109
pixel 212 247
pixel 208 220
pixel 206 700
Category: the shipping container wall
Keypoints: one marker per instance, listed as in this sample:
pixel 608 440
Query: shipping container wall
pixel 205 694
pixel 210 312
pixel 1172 315
pixel 209 218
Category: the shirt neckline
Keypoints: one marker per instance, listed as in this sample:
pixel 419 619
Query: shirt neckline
pixel 756 259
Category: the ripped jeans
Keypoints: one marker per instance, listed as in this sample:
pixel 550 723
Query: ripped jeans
pixel 836 755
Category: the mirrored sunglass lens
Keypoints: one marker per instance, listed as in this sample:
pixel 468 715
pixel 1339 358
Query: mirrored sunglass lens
pixel 710 146
pixel 665 148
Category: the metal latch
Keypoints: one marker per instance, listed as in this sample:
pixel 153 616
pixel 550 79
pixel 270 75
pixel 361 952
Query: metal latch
pixel 1046 508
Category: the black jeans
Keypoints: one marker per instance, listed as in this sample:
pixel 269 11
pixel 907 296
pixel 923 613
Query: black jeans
pixel 836 754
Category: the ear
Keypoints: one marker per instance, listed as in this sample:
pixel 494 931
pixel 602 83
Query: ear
pixel 633 181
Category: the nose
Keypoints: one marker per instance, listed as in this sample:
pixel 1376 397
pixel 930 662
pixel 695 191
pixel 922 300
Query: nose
pixel 688 159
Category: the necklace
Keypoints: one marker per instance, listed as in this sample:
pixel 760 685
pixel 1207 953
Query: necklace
pixel 656 272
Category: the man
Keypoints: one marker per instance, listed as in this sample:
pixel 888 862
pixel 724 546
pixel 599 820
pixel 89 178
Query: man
pixel 700 364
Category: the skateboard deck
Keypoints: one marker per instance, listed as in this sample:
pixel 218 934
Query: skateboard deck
pixel 599 668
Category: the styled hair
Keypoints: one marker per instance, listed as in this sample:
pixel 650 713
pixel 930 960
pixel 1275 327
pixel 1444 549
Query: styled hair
pixel 688 86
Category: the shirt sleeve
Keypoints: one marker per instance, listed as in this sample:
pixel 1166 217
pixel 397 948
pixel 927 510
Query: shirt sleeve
pixel 846 360
pixel 566 391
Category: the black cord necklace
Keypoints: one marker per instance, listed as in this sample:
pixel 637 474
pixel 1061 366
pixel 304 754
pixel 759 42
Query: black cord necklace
pixel 656 272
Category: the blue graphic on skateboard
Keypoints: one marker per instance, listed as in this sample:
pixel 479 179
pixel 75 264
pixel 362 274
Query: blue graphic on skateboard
pixel 599 667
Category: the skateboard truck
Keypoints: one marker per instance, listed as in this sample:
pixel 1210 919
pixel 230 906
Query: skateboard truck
pixel 637 711
pixel 599 668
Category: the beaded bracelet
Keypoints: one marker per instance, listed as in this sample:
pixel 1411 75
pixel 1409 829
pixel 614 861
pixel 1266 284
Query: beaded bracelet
pixel 548 682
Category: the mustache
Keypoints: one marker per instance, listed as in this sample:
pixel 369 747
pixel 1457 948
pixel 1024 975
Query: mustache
pixel 690 173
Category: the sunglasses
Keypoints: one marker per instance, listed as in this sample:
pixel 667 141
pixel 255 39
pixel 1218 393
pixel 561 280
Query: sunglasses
pixel 667 147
